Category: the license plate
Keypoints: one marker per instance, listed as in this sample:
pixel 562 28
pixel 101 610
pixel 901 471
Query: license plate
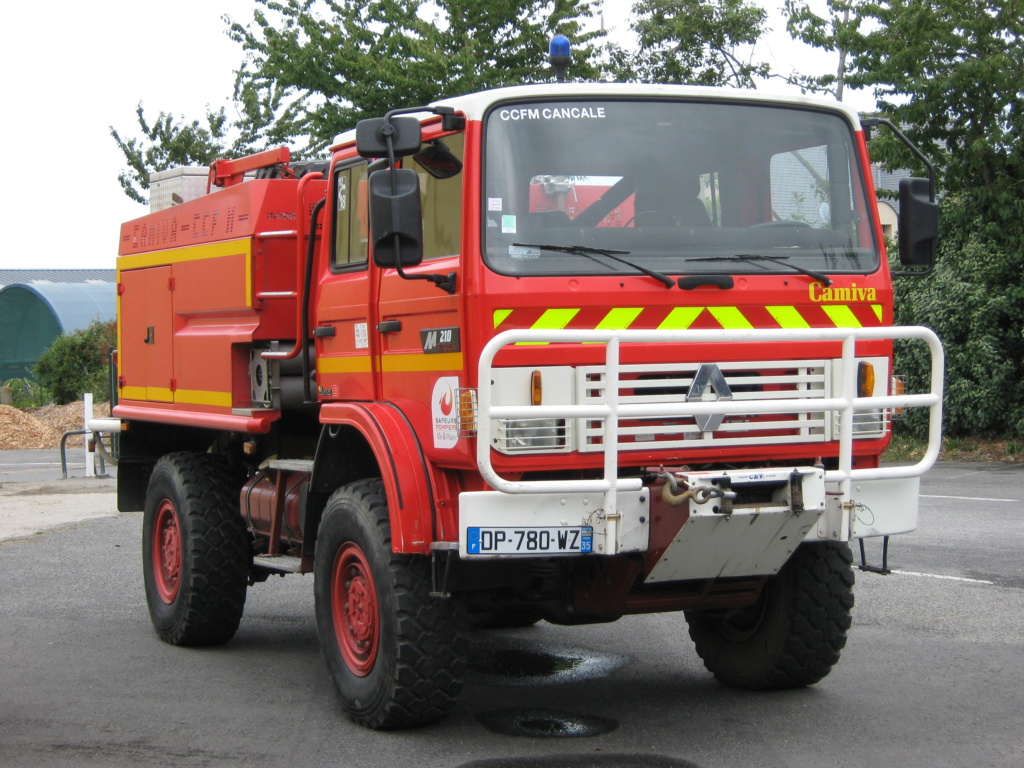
pixel 530 541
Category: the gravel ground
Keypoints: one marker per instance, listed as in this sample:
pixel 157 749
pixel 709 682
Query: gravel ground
pixel 27 509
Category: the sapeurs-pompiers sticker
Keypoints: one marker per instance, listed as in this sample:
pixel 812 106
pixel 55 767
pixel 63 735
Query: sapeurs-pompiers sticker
pixel 444 413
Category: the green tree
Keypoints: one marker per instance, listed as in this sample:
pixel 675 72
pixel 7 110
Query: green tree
pixel 168 143
pixel 952 73
pixel 313 68
pixel 974 301
pixel 77 363
pixel 696 42
pixel 830 32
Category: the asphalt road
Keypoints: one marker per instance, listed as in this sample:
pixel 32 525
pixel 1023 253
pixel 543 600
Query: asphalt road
pixel 933 674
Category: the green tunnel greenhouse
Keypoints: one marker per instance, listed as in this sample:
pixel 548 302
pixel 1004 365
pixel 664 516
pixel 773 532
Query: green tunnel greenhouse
pixel 32 315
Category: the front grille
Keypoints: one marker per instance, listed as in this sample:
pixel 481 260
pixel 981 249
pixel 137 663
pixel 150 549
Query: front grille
pixel 808 380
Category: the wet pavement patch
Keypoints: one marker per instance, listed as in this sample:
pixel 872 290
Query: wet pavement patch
pixel 545 723
pixel 582 761
pixel 503 661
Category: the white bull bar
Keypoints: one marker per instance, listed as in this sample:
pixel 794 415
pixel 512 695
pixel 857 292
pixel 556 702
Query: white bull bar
pixel 611 409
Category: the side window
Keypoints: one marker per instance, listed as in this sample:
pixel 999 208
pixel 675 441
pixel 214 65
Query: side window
pixel 441 187
pixel 350 216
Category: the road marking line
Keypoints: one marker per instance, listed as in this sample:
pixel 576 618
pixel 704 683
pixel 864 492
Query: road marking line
pixel 965 474
pixel 945 578
pixel 967 498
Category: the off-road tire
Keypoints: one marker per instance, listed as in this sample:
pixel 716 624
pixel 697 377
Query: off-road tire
pixel 793 635
pixel 391 649
pixel 195 550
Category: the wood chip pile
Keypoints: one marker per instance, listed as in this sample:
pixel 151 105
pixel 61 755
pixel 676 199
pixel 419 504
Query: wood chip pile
pixel 43 428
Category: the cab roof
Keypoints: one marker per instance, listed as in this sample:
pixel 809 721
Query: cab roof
pixel 475 105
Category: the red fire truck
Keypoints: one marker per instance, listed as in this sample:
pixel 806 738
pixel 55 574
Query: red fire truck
pixel 557 352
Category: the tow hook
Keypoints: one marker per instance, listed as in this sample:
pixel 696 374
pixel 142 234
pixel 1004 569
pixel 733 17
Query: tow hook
pixel 672 496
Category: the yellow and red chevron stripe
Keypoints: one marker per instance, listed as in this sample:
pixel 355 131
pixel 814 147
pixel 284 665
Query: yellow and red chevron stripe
pixel 861 315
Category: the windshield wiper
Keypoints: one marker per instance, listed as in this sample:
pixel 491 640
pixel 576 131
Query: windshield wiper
pixel 777 259
pixel 586 250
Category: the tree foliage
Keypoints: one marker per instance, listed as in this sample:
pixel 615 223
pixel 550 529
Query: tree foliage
pixel 313 68
pixel 168 143
pixel 697 42
pixel 830 32
pixel 77 363
pixel 974 301
pixel 952 73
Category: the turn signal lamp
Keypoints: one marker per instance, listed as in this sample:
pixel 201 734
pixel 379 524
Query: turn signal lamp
pixel 536 390
pixel 865 379
pixel 466 398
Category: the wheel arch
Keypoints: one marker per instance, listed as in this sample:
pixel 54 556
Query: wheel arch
pixel 141 445
pixel 361 440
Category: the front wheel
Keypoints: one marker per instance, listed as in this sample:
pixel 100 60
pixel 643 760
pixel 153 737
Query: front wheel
pixel 793 634
pixel 391 649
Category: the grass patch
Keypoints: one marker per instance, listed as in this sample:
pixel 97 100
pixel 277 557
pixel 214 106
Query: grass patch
pixel 906 448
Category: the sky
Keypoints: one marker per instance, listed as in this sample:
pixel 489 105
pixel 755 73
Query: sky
pixel 73 69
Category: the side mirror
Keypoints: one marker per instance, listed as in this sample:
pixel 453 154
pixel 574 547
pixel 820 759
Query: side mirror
pixel 396 221
pixel 919 223
pixel 372 136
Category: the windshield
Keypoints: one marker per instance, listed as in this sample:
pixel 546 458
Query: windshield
pixel 682 187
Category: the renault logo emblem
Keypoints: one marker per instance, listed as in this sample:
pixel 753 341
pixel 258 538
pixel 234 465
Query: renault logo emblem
pixel 709 385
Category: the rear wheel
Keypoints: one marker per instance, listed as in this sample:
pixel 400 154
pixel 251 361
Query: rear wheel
pixel 195 550
pixel 390 647
pixel 793 635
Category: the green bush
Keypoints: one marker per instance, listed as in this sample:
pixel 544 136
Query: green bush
pixel 77 363
pixel 26 393
pixel 974 301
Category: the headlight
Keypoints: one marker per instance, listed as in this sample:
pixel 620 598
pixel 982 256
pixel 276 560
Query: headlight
pixel 529 435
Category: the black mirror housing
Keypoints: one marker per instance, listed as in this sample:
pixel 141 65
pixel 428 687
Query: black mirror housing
pixel 372 136
pixel 396 221
pixel 919 223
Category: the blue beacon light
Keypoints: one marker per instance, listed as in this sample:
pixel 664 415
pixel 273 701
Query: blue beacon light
pixel 560 56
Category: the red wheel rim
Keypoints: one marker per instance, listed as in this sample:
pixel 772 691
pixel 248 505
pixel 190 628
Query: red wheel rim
pixel 167 552
pixel 354 607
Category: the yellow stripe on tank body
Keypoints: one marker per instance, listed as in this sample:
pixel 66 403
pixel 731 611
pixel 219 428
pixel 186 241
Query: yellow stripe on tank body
pixel 238 247
pixel 201 397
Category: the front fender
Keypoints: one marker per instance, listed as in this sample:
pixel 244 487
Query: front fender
pixel 403 468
